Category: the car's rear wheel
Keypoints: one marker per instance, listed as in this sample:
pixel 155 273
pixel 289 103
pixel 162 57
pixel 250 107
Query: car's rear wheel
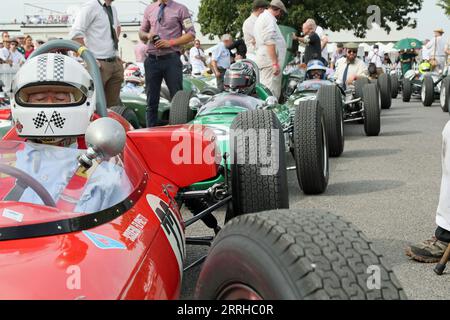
pixel 294 255
pixel 427 92
pixel 384 84
pixel 395 86
pixel 372 117
pixel 258 167
pixel 180 111
pixel 406 90
pixel 330 100
pixel 445 94
pixel 311 148
pixel 128 114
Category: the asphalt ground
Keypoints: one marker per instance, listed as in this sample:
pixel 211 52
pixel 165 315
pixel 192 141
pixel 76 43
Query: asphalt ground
pixel 387 186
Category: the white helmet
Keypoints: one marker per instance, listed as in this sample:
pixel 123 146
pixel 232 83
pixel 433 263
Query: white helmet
pixel 133 74
pixel 57 73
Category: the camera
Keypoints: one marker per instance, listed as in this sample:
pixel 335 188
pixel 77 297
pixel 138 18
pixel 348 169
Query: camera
pixel 156 38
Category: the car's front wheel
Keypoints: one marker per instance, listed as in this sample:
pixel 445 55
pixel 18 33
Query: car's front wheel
pixel 258 164
pixel 427 92
pixel 330 99
pixel 395 86
pixel 311 151
pixel 128 114
pixel 180 111
pixel 406 90
pixel 372 117
pixel 445 94
pixel 384 85
pixel 294 255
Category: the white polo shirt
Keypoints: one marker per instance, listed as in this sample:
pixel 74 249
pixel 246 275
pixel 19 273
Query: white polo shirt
pixel 266 33
pixel 249 37
pixel 198 66
pixel 92 24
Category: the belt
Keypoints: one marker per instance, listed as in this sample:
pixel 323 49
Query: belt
pixel 108 59
pixel 164 57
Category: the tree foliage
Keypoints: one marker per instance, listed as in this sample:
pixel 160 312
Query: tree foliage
pixel 218 17
pixel 445 4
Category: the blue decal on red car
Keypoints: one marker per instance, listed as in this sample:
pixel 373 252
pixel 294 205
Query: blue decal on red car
pixel 103 242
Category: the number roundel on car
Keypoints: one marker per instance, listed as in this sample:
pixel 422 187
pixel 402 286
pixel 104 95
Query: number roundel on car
pixel 171 227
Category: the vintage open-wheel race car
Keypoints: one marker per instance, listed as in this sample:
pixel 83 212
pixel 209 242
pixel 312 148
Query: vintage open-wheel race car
pixel 136 248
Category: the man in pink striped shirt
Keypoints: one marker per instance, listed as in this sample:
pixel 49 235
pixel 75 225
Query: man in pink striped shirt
pixel 166 27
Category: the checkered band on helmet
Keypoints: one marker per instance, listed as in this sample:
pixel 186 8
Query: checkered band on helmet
pixel 42 68
pixel 58 68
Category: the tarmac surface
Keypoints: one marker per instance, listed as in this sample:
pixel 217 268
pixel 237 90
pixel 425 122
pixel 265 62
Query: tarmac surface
pixel 387 186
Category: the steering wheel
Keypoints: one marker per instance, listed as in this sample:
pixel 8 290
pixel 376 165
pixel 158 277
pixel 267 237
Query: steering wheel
pixel 25 179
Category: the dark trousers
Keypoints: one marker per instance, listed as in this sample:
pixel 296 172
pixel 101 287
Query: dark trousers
pixel 443 235
pixel 220 79
pixel 167 68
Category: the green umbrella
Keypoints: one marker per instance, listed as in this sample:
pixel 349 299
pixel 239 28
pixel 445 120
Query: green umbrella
pixel 408 44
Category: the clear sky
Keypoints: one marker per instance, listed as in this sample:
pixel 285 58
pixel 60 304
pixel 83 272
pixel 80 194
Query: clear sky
pixel 430 18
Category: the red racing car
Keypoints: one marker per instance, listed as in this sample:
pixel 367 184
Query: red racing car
pixel 136 248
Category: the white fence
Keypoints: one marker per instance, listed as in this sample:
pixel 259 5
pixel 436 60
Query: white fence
pixel 7 74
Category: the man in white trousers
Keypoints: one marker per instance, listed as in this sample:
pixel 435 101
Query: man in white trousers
pixel 248 28
pixel 270 47
pixel 431 251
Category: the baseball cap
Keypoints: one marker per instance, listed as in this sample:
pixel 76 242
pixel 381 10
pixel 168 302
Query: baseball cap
pixel 279 4
pixel 260 4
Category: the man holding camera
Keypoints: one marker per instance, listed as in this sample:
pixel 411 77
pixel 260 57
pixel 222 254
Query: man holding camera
pixel 167 25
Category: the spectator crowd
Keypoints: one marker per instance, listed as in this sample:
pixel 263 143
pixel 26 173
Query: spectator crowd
pixel 14 51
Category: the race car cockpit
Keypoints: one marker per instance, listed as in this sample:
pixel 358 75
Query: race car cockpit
pixel 227 100
pixel 53 104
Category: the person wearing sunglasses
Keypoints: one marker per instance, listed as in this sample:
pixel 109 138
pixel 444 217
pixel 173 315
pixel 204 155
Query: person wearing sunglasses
pixel 350 68
pixel 15 57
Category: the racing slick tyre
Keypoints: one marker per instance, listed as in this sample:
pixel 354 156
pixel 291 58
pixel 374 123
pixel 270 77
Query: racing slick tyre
pixel 427 93
pixel 210 91
pixel 311 148
pixel 128 114
pixel 258 164
pixel 372 116
pixel 384 85
pixel 330 100
pixel 180 112
pixel 395 86
pixel 359 85
pixel 294 255
pixel 406 90
pixel 445 94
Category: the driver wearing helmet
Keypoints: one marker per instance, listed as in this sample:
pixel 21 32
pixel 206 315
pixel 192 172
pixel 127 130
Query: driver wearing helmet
pixel 316 70
pixel 424 67
pixel 52 106
pixel 134 80
pixel 240 78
